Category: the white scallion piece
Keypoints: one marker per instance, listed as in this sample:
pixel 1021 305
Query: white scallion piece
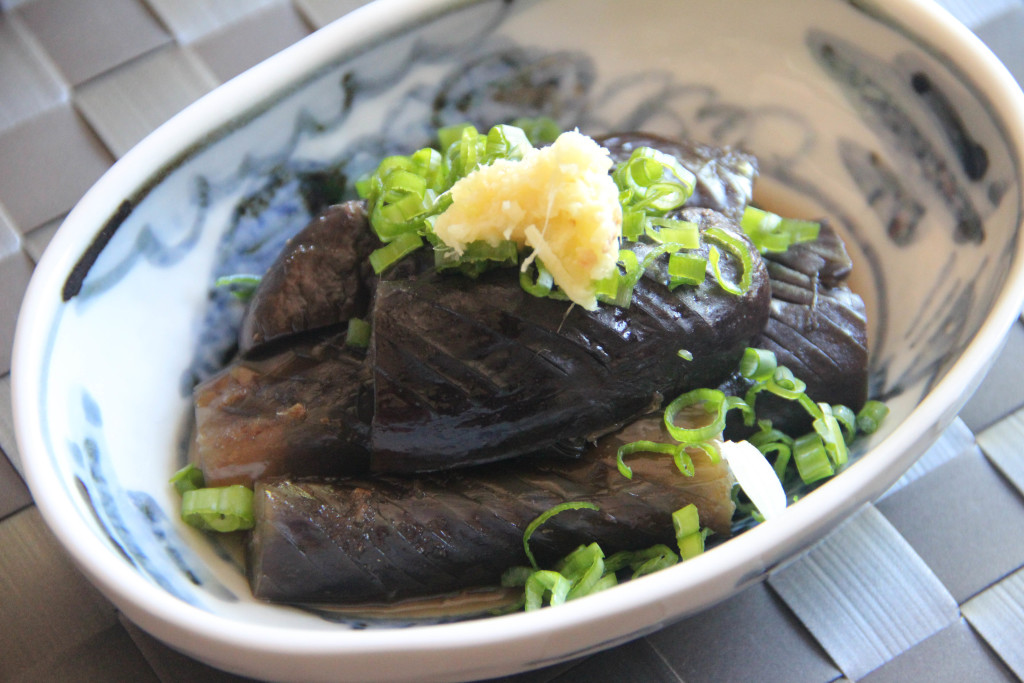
pixel 755 476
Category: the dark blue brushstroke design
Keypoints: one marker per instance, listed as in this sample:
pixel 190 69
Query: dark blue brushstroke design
pixel 945 333
pixel 896 207
pixel 73 283
pixel 260 227
pixel 972 155
pixel 151 248
pixel 515 82
pixel 855 71
pixel 91 411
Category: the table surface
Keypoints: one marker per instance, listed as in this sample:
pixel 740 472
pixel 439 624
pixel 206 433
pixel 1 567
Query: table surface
pixel 926 584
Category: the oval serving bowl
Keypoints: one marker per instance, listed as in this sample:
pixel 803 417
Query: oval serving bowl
pixel 889 118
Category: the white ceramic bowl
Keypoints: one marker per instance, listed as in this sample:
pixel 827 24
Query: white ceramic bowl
pixel 887 116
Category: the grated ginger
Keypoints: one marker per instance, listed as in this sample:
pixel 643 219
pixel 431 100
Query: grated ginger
pixel 558 200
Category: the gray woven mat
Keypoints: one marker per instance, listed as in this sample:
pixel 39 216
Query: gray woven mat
pixel 926 584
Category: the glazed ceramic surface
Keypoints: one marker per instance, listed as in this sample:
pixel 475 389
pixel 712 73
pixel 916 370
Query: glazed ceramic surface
pixel 886 117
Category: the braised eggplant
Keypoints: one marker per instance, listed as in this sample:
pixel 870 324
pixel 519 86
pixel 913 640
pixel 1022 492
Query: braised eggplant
pixel 321 278
pixel 376 472
pixel 305 409
pixel 473 371
pixel 362 540
pixel 817 328
pixel 725 177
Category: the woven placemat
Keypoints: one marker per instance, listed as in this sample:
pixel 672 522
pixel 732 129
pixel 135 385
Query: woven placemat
pixel 925 584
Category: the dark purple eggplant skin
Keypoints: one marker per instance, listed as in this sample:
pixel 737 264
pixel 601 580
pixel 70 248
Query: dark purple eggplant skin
pixel 725 177
pixel 352 541
pixel 473 371
pixel 303 410
pixel 817 328
pixel 321 278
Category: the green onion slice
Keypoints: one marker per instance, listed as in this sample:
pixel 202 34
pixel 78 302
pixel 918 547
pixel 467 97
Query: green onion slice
pixel 539 130
pixel 358 333
pixel 242 285
pixel 684 269
pixel 545 516
pixel 871 416
pixel 188 478
pixel 224 508
pixel 392 252
pixel 539 287
pixel 812 461
pixel 641 447
pixel 546 583
pixel 758 364
pixel 771 232
pixel 738 248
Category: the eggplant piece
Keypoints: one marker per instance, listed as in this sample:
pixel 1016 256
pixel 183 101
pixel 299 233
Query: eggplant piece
pixel 817 328
pixel 304 410
pixel 473 371
pixel 321 278
pixel 463 372
pixel 351 541
pixel 725 177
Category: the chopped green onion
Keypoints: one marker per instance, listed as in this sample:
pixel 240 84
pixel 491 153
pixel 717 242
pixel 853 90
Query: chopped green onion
pixel 242 285
pixel 683 461
pixel 847 420
pixel 771 232
pixel 686 270
pixel 515 576
pixel 812 461
pixel 653 181
pixel 545 516
pixel 358 333
pixel 634 224
pixel 758 364
pixel 686 520
pixel 691 545
pixel 449 135
pixel 827 427
pixel 871 416
pixel 684 354
pixel 506 142
pixel 738 248
pixel 714 402
pixel 539 130
pixel 188 478
pixel 224 508
pixel 584 567
pixel 640 447
pixel 684 233
pixel 650 560
pixel 689 536
pixel 505 251
pixel 394 251
pixel 546 583
pixel 539 287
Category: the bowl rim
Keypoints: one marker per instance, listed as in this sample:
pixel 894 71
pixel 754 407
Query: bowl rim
pixel 703 580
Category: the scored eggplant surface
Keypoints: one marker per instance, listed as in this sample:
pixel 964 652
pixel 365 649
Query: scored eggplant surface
pixel 469 371
pixel 472 371
pixel 359 540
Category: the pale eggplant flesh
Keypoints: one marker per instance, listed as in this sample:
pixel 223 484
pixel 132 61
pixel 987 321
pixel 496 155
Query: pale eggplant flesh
pixel 305 409
pixel 387 538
